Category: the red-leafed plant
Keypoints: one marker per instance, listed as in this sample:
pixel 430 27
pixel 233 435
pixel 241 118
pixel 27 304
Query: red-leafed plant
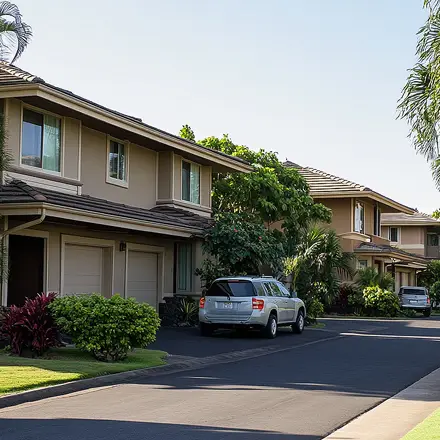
pixel 31 326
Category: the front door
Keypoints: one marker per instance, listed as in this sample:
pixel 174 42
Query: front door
pixel 26 268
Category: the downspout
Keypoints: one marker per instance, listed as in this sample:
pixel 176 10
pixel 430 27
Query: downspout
pixel 25 225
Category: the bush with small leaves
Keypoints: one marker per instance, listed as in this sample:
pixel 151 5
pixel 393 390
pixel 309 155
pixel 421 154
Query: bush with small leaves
pixel 380 302
pixel 106 327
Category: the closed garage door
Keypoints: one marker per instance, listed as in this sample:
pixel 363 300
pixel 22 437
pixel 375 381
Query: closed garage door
pixel 83 267
pixel 142 277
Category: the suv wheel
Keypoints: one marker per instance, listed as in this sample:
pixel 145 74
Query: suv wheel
pixel 206 329
pixel 270 331
pixel 427 313
pixel 298 327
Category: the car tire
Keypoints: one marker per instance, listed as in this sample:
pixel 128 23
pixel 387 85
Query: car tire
pixel 206 329
pixel 298 327
pixel 427 313
pixel 270 331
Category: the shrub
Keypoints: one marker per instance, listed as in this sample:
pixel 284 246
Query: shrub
pixel 106 327
pixel 314 308
pixel 178 311
pixel 356 301
pixel 434 293
pixel 370 277
pixel 30 326
pixel 381 302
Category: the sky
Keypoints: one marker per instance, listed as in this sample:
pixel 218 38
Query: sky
pixel 316 81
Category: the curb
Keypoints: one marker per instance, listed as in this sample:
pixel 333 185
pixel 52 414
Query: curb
pixel 384 421
pixel 126 376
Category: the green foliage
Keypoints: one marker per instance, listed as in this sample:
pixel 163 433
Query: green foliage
pixel 186 132
pixel 434 293
pixel 319 265
pixel 106 327
pixel 370 277
pixel 436 214
pixel 409 313
pixel 430 275
pixel 315 309
pixel 356 301
pixel 380 302
pixel 189 311
pixel 420 101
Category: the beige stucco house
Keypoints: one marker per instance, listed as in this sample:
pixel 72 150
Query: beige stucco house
pixel 96 200
pixel 357 219
pixel 416 233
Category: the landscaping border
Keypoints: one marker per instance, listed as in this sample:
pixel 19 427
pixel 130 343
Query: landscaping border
pixel 181 364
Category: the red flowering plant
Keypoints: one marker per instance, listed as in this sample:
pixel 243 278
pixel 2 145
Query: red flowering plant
pixel 30 326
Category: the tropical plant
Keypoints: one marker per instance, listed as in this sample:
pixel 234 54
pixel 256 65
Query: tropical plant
pixel 15 35
pixel 434 294
pixel 106 327
pixel 430 275
pixel 370 277
pixel 315 309
pixel 188 309
pixel 419 104
pixel 30 326
pixel 319 265
pixel 381 302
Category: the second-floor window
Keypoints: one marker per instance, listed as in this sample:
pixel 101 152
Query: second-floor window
pixel 117 162
pixel 41 141
pixel 190 182
pixel 359 218
pixel 393 234
pixel 377 228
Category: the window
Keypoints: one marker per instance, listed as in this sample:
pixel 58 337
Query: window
pixel 231 288
pixel 184 267
pixel 433 240
pixel 276 291
pixel 117 162
pixel 394 234
pixel 190 182
pixel 362 264
pixel 377 213
pixel 284 291
pixel 359 217
pixel 41 141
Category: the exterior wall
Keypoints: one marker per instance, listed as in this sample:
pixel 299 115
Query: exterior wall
pixel 368 218
pixel 55 233
pixel 165 177
pixel 411 238
pixel 341 214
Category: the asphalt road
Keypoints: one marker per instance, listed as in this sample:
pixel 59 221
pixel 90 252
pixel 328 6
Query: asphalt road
pixel 325 379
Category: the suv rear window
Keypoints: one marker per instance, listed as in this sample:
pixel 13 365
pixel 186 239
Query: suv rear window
pixel 232 288
pixel 412 291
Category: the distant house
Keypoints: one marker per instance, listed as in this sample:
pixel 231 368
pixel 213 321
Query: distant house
pixel 98 201
pixel 357 219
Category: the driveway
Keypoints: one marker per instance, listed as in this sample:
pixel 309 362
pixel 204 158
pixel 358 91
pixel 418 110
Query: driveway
pixel 300 393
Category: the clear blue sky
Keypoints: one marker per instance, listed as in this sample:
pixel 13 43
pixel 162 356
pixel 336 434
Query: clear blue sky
pixel 316 81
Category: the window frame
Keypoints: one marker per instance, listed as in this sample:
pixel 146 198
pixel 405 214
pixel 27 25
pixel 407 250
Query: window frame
pixel 398 234
pixel 362 229
pixel 181 182
pixel 377 227
pixel 427 239
pixel 190 273
pixel 361 265
pixel 112 180
pixel 43 112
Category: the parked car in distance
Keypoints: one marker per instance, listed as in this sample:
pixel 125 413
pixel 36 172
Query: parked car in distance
pixel 250 302
pixel 415 298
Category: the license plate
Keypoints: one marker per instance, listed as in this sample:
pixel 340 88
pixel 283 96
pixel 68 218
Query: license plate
pixel 413 301
pixel 227 305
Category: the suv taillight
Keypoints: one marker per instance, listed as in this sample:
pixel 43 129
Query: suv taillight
pixel 257 304
pixel 428 300
pixel 202 303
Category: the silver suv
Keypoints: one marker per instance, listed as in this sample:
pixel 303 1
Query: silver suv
pixel 250 302
pixel 415 298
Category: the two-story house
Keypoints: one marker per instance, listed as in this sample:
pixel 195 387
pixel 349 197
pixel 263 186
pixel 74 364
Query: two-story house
pixel 416 233
pixel 357 213
pixel 98 201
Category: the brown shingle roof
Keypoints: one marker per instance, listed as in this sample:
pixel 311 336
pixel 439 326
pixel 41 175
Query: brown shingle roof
pixel 20 192
pixel 399 218
pixel 381 249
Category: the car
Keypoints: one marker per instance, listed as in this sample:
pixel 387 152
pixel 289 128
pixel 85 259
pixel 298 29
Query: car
pixel 415 298
pixel 252 303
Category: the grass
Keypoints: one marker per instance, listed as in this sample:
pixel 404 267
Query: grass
pixel 316 325
pixel 64 365
pixel 427 430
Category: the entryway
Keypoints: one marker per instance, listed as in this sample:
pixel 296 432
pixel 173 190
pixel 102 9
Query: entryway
pixel 26 268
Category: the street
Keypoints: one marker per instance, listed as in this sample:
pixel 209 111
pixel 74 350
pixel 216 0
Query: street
pixel 314 384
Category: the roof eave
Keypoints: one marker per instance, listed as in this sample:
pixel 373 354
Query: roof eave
pixel 56 96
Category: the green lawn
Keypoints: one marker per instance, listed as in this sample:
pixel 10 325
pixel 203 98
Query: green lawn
pixel 427 430
pixel 64 365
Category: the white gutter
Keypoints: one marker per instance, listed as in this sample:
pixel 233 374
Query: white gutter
pixel 25 225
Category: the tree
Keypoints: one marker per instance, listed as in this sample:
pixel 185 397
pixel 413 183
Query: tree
pixel 420 100
pixel 430 275
pixel 15 35
pixel 370 277
pixel 436 214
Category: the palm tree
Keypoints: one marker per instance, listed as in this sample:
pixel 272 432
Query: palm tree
pixel 15 35
pixel 370 277
pixel 420 100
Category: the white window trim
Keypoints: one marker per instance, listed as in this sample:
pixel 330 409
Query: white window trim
pixel 398 234
pixel 354 217
pixel 200 181
pixel 112 180
pixel 160 251
pixel 86 241
pixel 63 140
pixel 374 220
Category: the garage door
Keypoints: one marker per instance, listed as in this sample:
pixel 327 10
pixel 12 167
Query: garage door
pixel 83 269
pixel 142 277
